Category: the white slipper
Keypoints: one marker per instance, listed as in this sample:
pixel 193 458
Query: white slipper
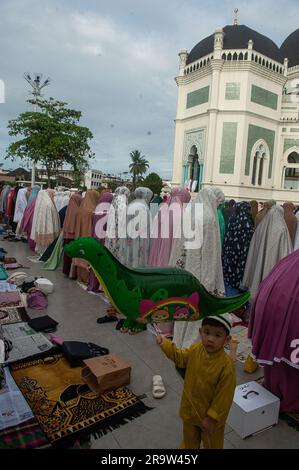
pixel 158 387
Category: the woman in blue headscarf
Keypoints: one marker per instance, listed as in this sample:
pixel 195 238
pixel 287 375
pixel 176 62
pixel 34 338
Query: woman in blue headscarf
pixel 33 194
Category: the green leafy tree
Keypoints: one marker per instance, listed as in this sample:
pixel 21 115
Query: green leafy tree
pixel 112 185
pixel 154 182
pixel 138 166
pixel 51 137
pixel 79 174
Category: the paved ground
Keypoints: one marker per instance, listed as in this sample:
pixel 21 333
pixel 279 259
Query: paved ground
pixel 77 311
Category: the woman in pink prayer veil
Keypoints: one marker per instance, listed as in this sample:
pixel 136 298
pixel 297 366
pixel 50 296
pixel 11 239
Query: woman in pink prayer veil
pixel 26 223
pixel 165 223
pixel 99 231
pixel 169 215
pixel 274 331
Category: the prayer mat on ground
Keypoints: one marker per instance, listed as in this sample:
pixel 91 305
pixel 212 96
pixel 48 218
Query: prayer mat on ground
pixel 29 435
pixel 11 299
pixel 65 407
pixel 13 315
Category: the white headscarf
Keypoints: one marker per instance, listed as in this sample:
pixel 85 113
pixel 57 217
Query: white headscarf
pixel 270 243
pixel 204 262
pixel 4 193
pixel 144 194
pixel 61 199
pixel 117 224
pixel 138 211
pixel 45 224
pixel 21 204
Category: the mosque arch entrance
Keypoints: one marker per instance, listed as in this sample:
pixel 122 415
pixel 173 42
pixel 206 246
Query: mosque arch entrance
pixel 193 171
pixel 291 171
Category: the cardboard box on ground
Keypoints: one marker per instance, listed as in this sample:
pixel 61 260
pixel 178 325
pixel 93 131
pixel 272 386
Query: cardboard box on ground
pixel 254 408
pixel 105 373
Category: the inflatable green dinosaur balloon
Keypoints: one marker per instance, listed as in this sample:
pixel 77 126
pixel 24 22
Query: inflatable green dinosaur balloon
pixel 149 295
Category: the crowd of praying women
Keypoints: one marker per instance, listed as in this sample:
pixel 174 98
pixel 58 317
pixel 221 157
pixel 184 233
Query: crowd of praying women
pixel 241 247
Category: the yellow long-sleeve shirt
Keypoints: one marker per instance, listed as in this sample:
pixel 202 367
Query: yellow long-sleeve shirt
pixel 209 385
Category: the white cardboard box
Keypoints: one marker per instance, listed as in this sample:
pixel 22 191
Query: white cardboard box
pixel 254 408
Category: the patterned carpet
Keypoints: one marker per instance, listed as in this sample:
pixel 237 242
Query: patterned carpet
pixel 64 406
pixel 29 435
pixel 13 315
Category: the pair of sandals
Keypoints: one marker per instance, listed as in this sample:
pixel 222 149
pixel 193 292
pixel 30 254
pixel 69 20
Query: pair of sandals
pixel 119 324
pixel 107 319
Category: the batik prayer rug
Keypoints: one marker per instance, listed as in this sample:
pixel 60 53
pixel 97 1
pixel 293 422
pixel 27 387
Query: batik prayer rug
pixel 29 435
pixel 13 315
pixel 63 404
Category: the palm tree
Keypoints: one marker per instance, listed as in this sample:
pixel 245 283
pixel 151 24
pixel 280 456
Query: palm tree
pixel 138 166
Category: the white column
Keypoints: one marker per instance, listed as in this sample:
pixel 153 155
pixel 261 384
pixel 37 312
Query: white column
pixel 285 64
pixel 33 163
pixel 216 65
pixel 283 176
pixel 183 55
pixel 250 47
pixel 179 137
pixel 258 166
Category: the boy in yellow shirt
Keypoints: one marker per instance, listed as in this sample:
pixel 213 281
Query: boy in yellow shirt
pixel 209 385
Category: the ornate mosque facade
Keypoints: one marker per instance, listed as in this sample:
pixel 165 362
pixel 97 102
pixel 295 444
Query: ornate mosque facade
pixel 237 122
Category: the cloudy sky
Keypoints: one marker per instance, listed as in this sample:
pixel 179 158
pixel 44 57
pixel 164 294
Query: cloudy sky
pixel 116 61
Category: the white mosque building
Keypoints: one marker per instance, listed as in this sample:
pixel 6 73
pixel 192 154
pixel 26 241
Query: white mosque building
pixel 237 122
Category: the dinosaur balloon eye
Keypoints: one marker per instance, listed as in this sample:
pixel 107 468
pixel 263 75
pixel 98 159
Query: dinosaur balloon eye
pixel 82 252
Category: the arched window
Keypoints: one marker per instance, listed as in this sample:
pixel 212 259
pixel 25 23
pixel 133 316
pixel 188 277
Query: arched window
pixel 292 172
pixel 229 56
pixel 293 157
pixel 241 57
pixel 259 164
pixel 223 56
pixel 235 56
